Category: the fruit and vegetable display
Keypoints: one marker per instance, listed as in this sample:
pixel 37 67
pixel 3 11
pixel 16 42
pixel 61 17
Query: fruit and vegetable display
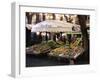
pixel 66 52
pixel 46 46
pixel 61 50
pixel 58 49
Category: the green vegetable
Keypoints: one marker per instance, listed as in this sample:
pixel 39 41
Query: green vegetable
pixel 52 44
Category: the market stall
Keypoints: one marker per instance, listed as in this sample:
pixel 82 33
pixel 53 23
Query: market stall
pixel 58 47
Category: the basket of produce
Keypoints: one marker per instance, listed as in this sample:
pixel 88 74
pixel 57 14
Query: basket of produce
pixel 76 51
pixel 58 51
pixel 65 52
pixel 52 44
pixel 41 48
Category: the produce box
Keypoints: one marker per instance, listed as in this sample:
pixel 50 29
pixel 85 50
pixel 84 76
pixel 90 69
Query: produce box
pixel 41 48
pixel 64 52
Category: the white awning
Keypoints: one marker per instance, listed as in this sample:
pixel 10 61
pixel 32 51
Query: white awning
pixel 55 26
